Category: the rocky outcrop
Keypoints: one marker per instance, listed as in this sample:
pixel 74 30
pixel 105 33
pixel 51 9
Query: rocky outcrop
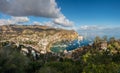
pixel 39 37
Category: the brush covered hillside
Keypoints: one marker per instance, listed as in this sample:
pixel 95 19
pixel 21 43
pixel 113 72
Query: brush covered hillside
pixel 40 38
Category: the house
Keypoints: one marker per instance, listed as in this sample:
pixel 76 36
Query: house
pixel 103 45
pixel 80 38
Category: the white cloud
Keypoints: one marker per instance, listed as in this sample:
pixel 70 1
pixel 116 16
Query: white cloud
pixel 63 21
pixel 50 24
pixel 20 19
pixel 14 20
pixel 91 31
pixel 6 21
pixel 37 23
pixel 44 8
pixel 41 8
pixel 91 27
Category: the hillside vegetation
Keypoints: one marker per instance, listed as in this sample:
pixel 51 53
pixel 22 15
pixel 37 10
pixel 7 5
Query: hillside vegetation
pixel 39 37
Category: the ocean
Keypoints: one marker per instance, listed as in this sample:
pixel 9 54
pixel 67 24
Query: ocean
pixel 60 47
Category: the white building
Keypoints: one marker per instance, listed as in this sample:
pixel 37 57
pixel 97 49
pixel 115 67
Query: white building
pixel 80 38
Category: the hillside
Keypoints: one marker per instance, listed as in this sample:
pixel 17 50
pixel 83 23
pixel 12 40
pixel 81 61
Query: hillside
pixel 38 37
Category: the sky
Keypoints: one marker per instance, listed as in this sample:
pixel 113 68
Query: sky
pixel 80 15
pixel 92 12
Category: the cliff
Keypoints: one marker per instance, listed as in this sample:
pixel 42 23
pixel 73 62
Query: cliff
pixel 39 37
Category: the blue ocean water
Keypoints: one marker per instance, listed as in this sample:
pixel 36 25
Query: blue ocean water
pixel 70 46
pixel 76 44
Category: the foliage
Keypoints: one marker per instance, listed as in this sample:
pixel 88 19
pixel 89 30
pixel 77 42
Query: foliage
pixel 89 59
pixel 12 62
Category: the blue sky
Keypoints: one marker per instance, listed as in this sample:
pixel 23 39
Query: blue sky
pixel 92 12
pixel 86 15
pixel 86 12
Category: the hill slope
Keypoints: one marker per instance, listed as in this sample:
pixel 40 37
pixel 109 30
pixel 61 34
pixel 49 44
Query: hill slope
pixel 39 37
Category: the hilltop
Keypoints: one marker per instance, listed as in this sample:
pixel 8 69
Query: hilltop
pixel 38 37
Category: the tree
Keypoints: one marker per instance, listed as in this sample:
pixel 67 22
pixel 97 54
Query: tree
pixel 48 70
pixel 12 61
pixel 112 39
pixel 97 39
pixel 105 38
